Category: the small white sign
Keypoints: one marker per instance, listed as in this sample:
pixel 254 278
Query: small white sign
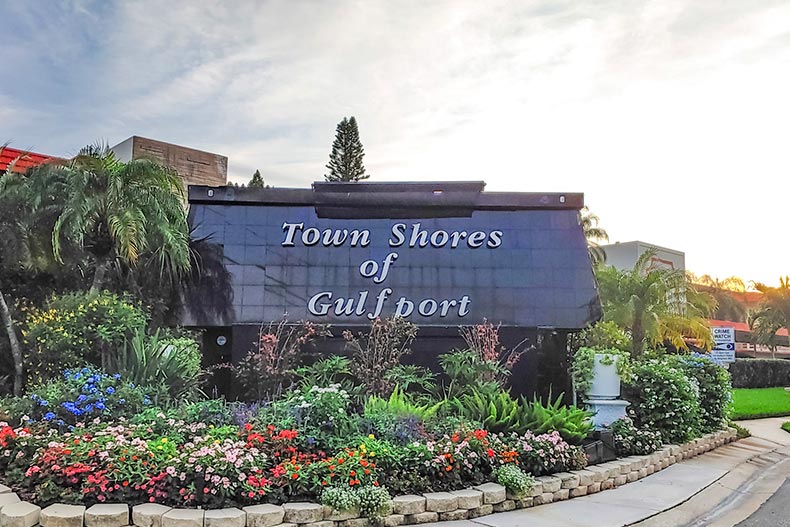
pixel 724 345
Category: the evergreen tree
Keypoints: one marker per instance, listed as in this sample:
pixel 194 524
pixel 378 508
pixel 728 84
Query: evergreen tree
pixel 256 181
pixel 345 161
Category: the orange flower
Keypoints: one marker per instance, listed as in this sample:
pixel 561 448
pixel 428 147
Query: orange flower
pixel 367 471
pixel 375 483
pixel 294 476
pixel 353 473
pixel 448 468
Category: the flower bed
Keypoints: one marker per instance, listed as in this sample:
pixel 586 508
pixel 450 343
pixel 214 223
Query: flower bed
pixel 408 509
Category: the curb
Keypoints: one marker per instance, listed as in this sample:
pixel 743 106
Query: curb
pixel 463 504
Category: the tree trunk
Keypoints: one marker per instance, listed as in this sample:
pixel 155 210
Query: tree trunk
pixel 98 277
pixel 16 349
pixel 637 336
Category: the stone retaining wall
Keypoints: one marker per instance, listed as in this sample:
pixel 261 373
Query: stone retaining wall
pixel 406 510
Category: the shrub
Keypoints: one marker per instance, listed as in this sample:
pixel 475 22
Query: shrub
pixel 546 453
pixel 85 394
pixel 760 373
pixel 374 502
pixel 467 374
pixel 340 498
pixel 715 390
pixel 379 351
pixel 631 441
pixel 173 363
pixel 265 369
pixel 515 480
pixel 664 399
pixel 603 335
pixel 79 328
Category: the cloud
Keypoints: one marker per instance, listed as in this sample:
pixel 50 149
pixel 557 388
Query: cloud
pixel 669 115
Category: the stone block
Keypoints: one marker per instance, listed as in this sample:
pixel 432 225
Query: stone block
pixel 468 498
pixel 265 515
pixel 665 463
pixel 303 512
pixel 482 510
pixel 393 520
pixel 182 518
pixel 633 476
pixel 607 484
pixel 422 517
pixel 562 495
pixel 329 523
pixel 339 516
pixel 440 502
pixel 525 503
pixel 504 506
pixel 8 498
pixel 550 483
pixel 492 493
pixel 537 489
pixel 354 522
pixel 108 515
pixel 543 499
pixel 642 473
pixel 622 479
pixel 650 469
pixel 594 487
pixel 148 514
pixel 408 504
pixel 581 490
pixel 231 517
pixel 60 515
pixel 456 515
pixel 598 473
pixel 20 514
pixel 569 480
pixel 586 477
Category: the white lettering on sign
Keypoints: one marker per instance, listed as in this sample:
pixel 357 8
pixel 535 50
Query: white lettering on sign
pixel 413 236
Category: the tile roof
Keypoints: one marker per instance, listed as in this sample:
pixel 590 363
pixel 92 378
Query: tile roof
pixel 20 159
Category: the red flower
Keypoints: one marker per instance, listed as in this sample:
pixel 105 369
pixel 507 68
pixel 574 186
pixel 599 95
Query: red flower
pixel 490 452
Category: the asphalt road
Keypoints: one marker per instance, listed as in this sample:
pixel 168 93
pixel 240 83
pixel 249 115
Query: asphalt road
pixel 773 513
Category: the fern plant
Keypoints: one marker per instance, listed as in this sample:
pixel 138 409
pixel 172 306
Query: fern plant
pixel 572 423
pixel 497 411
pixel 399 405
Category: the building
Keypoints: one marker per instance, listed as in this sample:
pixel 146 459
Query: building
pixel 441 254
pixel 196 167
pixel 624 255
pixel 21 160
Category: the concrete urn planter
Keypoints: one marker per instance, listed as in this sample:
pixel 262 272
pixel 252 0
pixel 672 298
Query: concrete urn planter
pixel 605 380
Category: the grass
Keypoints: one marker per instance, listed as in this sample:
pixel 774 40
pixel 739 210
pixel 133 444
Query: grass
pixel 786 426
pixel 754 403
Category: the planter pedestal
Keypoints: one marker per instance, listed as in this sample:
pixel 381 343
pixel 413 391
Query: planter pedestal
pixel 606 411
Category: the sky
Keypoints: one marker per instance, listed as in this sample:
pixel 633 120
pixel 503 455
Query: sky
pixel 670 116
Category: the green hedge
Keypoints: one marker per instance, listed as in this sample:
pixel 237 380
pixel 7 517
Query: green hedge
pixel 760 373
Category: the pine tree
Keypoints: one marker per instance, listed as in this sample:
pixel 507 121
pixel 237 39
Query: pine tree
pixel 256 181
pixel 345 161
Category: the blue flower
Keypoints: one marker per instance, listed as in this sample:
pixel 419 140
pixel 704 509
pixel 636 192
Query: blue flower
pixel 117 376
pixel 146 400
pixel 88 408
pixel 42 402
pixel 110 390
pixel 60 422
pixel 49 416
pixel 81 398
pixel 34 396
pixel 122 401
pixel 100 406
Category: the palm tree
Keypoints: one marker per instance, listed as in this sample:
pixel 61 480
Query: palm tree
pixel 773 313
pixel 593 234
pixel 117 211
pixel 27 211
pixel 656 305
pixel 729 307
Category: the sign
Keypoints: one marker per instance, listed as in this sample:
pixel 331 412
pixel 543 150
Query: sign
pixel 723 345
pixel 404 235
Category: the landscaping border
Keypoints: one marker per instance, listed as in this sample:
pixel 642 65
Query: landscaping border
pixel 464 504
